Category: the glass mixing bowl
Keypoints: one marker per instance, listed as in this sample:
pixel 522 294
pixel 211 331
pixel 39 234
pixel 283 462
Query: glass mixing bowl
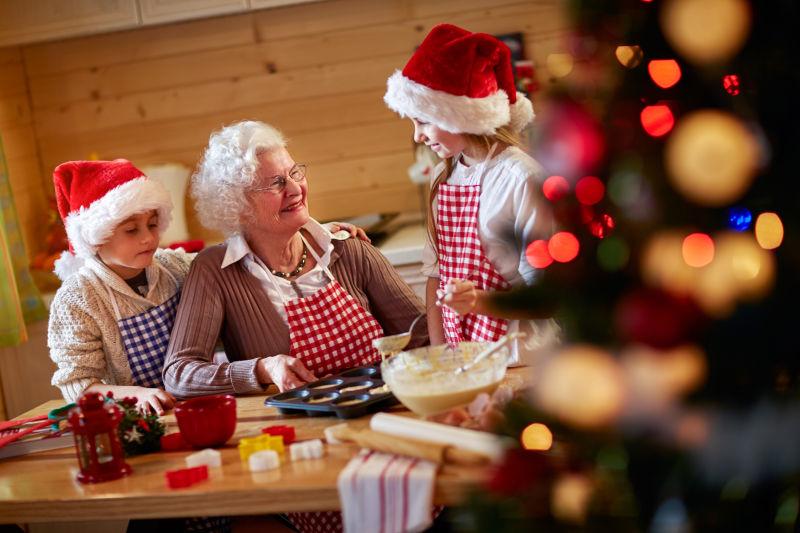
pixel 425 381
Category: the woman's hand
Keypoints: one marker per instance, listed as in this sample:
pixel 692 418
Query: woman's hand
pixel 148 399
pixel 353 230
pixel 285 372
pixel 459 295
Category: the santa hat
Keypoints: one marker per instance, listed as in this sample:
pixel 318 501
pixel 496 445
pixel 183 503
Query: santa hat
pixel 461 82
pixel 94 197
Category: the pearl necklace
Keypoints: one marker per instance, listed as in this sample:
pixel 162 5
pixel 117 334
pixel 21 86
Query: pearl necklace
pixel 296 271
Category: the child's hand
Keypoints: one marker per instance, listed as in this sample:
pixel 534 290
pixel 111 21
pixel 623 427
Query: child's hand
pixel 354 231
pixel 459 295
pixel 158 401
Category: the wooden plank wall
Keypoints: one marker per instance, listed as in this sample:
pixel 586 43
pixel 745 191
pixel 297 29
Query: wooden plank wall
pixel 317 71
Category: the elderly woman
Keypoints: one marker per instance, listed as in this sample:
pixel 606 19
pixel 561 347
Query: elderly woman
pixel 289 301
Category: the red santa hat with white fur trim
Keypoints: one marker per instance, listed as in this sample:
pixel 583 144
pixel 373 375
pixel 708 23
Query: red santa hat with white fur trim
pixel 94 197
pixel 461 82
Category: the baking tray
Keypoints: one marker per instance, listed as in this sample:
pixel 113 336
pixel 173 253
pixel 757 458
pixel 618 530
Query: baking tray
pixel 346 395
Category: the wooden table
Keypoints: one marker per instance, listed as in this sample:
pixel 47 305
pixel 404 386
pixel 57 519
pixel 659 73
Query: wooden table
pixel 41 487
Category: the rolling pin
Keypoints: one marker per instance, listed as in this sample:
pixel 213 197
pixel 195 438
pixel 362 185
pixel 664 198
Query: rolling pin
pixel 429 451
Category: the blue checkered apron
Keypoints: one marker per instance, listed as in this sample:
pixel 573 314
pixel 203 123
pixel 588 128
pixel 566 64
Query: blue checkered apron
pixel 145 337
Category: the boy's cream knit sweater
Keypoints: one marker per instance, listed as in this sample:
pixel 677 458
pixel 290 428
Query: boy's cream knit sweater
pixel 83 335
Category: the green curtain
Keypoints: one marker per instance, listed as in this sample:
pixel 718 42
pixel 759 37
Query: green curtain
pixel 20 301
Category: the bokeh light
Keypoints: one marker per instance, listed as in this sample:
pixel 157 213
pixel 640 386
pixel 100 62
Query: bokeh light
pixel 582 385
pixel 555 188
pixel 739 218
pixel 589 190
pixel 706 31
pixel 563 247
pixel 657 120
pixel 536 437
pixel 664 72
pixel 613 254
pixel 698 250
pixel 602 226
pixel 663 265
pixel 537 255
pixel 711 158
pixel 730 83
pixel 568 140
pixel 769 230
pixel 560 65
pixel 629 56
pixel 571 496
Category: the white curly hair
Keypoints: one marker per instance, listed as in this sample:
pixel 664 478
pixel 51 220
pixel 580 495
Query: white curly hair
pixel 227 169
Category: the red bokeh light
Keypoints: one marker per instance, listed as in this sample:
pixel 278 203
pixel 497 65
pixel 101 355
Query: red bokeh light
pixel 664 72
pixel 698 250
pixel 563 247
pixel 731 84
pixel 589 190
pixel 555 188
pixel 537 255
pixel 657 120
pixel 602 227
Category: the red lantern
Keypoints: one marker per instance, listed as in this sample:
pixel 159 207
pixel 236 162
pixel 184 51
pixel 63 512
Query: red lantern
pixel 100 453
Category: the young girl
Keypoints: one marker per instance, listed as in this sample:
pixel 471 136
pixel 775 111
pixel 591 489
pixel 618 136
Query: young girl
pixel 111 318
pixel 486 205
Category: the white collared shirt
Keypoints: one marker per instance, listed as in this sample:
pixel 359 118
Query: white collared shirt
pixel 308 283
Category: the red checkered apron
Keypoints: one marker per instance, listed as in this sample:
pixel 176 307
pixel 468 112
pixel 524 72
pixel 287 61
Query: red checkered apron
pixel 461 257
pixel 329 331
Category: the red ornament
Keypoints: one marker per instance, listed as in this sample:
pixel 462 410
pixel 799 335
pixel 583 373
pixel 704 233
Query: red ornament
pixel 731 84
pixel 94 423
pixel 657 318
pixel 602 227
pixel 519 471
pixel 657 120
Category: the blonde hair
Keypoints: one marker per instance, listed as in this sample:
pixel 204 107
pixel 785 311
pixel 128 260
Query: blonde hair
pixel 504 136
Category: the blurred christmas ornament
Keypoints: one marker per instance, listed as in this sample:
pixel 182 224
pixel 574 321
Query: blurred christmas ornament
pixel 769 230
pixel 698 250
pixel 657 120
pixel 711 157
pixel 589 190
pixel 613 254
pixel 664 72
pixel 563 247
pixel 657 318
pixel 706 31
pixel 559 65
pixel 730 83
pixel 518 471
pixel 570 498
pixel 555 188
pixel 629 56
pixel 536 437
pixel 537 255
pixel 602 226
pixel 739 218
pixel 568 141
pixel 582 385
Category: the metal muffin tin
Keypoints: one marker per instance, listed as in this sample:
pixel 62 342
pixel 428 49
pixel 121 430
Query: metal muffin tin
pixel 345 395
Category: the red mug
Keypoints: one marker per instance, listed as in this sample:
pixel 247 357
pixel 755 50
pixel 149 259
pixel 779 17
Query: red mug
pixel 207 421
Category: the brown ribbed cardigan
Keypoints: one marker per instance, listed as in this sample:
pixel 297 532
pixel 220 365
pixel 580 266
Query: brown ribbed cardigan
pixel 230 304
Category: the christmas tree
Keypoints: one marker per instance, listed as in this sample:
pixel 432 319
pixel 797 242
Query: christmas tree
pixel 673 404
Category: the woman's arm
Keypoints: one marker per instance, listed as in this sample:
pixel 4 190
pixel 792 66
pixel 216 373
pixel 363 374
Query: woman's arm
pixel 189 369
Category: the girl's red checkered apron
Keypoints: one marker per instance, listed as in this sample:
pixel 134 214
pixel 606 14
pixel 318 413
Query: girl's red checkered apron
pixel 461 257
pixel 145 338
pixel 329 331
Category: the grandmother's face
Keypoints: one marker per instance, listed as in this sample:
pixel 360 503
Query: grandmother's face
pixel 278 211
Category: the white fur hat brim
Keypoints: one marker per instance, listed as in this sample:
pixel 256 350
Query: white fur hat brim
pixel 88 228
pixel 456 113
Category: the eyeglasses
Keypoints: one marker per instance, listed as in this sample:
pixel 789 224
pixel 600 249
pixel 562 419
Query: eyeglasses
pixel 278 183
